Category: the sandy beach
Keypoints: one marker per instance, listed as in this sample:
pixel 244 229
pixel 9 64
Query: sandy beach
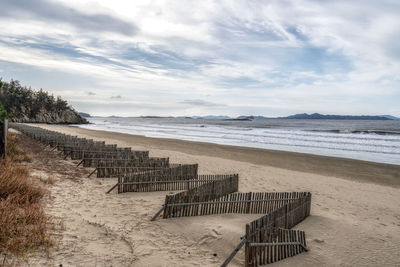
pixel 355 216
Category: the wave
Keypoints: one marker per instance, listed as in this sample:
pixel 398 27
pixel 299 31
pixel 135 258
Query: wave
pixel 378 132
pixel 268 133
pixel 288 135
pixel 371 146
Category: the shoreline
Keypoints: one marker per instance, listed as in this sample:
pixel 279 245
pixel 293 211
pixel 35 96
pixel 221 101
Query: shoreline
pixel 351 169
pixel 347 140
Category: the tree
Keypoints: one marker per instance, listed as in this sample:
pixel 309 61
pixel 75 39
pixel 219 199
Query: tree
pixel 22 103
pixel 61 104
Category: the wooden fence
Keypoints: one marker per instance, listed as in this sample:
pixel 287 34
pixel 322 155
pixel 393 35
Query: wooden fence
pixel 186 203
pixel 107 163
pixel 172 170
pixel 267 242
pixel 136 183
pixel 277 244
pixel 76 147
pixel 114 172
pixel 206 204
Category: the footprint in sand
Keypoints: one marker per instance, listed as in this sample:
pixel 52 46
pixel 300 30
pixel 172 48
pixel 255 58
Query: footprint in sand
pixel 216 232
pixel 207 238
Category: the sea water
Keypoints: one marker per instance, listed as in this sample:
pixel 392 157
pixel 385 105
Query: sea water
pixel 377 140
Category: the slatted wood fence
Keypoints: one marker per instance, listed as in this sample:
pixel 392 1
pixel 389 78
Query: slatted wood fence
pixel 150 162
pixel 137 184
pixel 252 202
pixel 76 147
pixel 156 171
pixel 115 172
pixel 266 243
pixel 183 203
pixel 277 244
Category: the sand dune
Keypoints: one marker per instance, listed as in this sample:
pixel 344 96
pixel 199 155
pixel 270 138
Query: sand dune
pixel 355 219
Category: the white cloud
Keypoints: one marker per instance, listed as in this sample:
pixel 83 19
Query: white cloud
pixel 241 54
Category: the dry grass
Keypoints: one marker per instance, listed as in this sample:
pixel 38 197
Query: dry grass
pixel 17 184
pixel 14 152
pixel 23 228
pixel 23 222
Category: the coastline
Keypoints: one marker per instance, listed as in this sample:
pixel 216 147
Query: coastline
pixel 352 169
pixel 353 219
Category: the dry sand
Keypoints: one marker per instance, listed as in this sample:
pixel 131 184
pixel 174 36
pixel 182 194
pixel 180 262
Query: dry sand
pixel 355 215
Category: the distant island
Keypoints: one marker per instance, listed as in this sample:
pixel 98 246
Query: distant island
pixel 317 116
pixel 302 116
pixel 24 104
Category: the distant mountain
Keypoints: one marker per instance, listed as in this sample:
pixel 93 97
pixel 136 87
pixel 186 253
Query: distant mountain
pixel 252 118
pixel 242 118
pixel 391 117
pixel 151 117
pixel 317 116
pixel 222 117
pixel 212 117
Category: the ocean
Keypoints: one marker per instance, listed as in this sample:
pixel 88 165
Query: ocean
pixel 377 141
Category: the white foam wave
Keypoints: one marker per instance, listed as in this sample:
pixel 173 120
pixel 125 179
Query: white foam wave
pixel 372 147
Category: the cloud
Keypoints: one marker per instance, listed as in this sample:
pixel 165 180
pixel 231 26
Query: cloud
pixel 198 102
pixel 91 93
pixel 52 11
pixel 223 57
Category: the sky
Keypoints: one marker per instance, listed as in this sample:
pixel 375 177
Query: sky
pixel 185 58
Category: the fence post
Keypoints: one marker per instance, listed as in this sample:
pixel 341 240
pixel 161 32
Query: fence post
pixel 166 210
pixel 287 216
pixel 3 138
pixel 248 204
pixel 247 248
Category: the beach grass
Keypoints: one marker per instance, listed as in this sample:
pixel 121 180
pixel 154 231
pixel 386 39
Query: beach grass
pixel 23 221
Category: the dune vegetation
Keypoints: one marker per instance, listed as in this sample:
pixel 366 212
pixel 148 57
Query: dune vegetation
pixel 23 222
